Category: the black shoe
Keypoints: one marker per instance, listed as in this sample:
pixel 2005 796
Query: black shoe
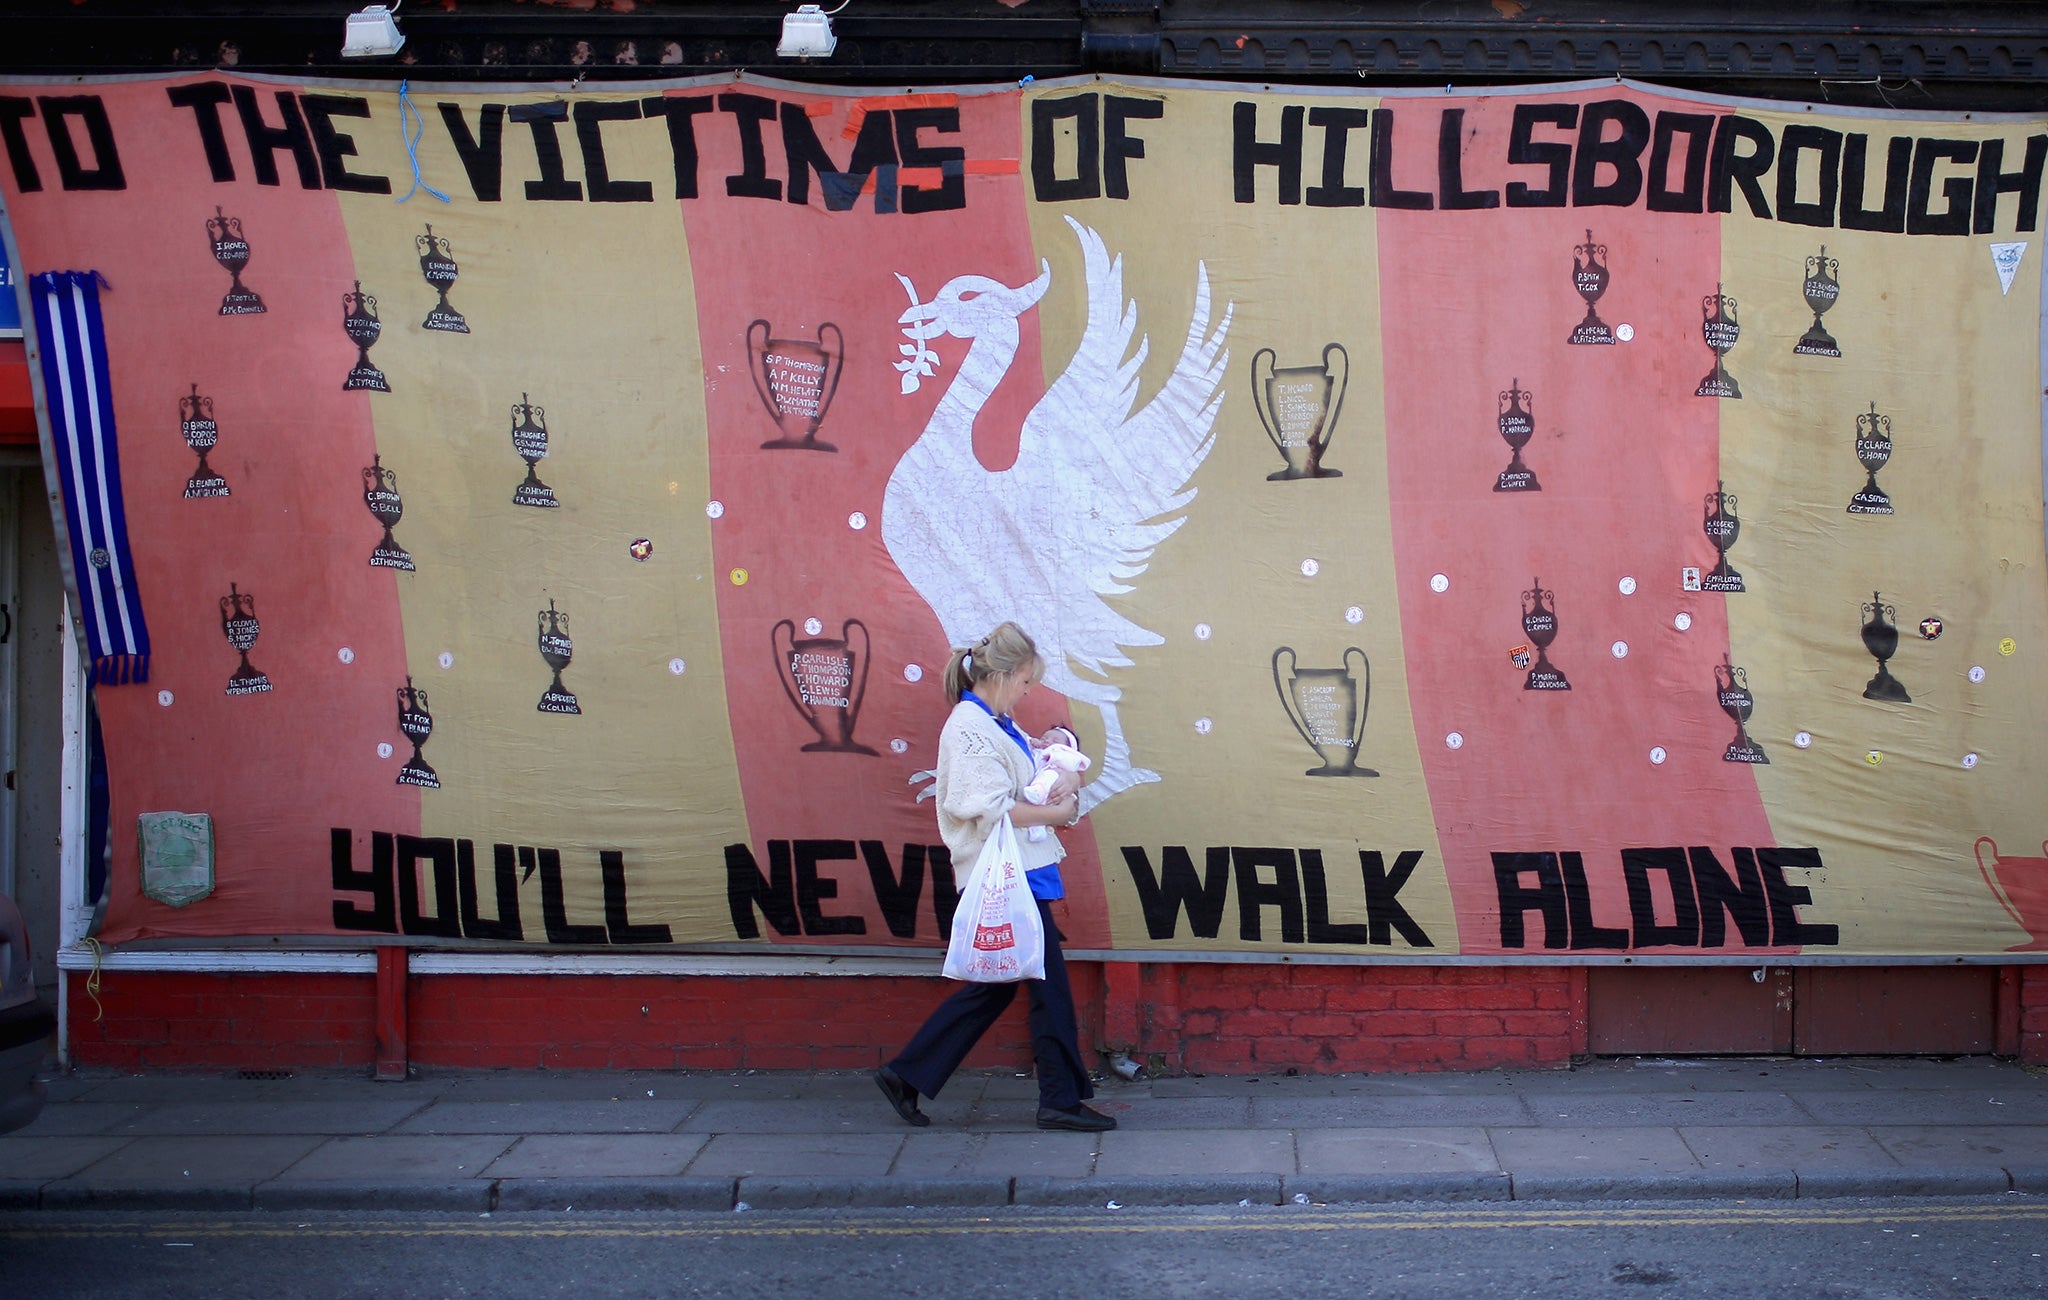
pixel 1081 1119
pixel 902 1096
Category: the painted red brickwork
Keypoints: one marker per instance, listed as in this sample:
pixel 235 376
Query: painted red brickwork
pixel 2034 1014
pixel 1207 1018
pixel 149 1020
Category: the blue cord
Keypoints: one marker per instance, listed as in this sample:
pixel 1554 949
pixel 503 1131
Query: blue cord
pixel 412 142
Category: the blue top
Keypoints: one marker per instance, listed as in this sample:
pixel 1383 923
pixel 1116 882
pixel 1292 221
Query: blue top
pixel 1045 881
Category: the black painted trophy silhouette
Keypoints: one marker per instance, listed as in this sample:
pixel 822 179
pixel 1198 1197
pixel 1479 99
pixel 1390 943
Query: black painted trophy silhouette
pixel 555 650
pixel 1732 689
pixel 380 494
pixel 1298 406
pixel 415 723
pixel 1873 452
pixel 825 678
pixel 1821 289
pixel 359 321
pixel 1721 330
pixel 196 425
pixel 530 440
pixel 238 624
pixel 1721 527
pixel 438 266
pixel 1517 426
pixel 1881 639
pixel 231 250
pixel 1590 277
pixel 1328 707
pixel 1539 624
pixel 796 380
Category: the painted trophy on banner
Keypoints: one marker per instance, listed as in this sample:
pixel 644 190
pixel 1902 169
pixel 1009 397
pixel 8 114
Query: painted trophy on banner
pixel 1539 624
pixel 437 265
pixel 238 624
pixel 1517 425
pixel 1732 689
pixel 1328 707
pixel 825 678
pixel 359 321
pixel 197 427
pixel 530 440
pixel 1721 330
pixel 796 379
pixel 556 650
pixel 1881 639
pixel 231 250
pixel 415 723
pixel 1298 405
pixel 2020 884
pixel 1721 527
pixel 1590 278
pixel 380 494
pixel 1873 452
pixel 1821 289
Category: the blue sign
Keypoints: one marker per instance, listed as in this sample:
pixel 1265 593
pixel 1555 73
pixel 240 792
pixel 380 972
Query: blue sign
pixel 10 311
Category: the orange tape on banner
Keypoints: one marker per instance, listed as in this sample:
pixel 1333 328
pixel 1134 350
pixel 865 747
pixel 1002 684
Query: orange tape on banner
pixel 860 109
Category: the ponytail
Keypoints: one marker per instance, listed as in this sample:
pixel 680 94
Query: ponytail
pixel 1007 649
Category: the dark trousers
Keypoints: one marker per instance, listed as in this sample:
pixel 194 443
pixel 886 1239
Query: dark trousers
pixel 937 1049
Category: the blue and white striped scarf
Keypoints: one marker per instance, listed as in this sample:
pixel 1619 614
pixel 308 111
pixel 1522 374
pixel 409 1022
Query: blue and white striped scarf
pixel 81 409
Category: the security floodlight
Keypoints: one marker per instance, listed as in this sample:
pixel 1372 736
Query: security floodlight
pixel 372 31
pixel 807 34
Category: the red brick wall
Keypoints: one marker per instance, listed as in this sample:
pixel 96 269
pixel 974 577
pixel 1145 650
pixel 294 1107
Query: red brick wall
pixel 152 1020
pixel 1220 1018
pixel 2034 1014
pixel 1225 1018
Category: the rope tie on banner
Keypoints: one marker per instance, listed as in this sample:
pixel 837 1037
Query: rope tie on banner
pixel 412 142
pixel 92 980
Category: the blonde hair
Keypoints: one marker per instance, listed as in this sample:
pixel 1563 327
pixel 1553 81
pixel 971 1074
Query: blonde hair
pixel 1006 649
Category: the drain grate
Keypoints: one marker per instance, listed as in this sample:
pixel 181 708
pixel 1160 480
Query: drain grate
pixel 263 1074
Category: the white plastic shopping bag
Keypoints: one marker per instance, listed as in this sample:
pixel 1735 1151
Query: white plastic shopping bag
pixel 997 937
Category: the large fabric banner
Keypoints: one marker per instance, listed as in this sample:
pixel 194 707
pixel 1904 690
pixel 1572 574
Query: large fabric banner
pixel 1569 523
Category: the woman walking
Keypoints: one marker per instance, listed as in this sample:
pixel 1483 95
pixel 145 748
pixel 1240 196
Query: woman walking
pixel 985 761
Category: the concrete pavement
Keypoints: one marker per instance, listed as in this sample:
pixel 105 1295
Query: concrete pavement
pixel 477 1140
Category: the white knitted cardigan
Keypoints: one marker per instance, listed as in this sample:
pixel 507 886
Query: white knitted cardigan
pixel 982 772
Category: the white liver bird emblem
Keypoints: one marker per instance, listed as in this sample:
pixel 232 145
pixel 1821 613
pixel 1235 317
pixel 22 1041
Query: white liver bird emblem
pixel 1096 486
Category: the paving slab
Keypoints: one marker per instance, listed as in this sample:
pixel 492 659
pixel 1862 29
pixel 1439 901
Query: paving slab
pixel 1964 1144
pixel 39 1159
pixel 1374 1153
pixel 556 1085
pixel 1127 1153
pixel 172 1089
pixel 1630 1152
pixel 1925 1106
pixel 248 1118
pixel 1641 1109
pixel 1786 1147
pixel 1147 1112
pixel 643 1194
pixel 632 1115
pixel 927 1153
pixel 598 1155
pixel 857 1114
pixel 839 1154
pixel 1441 1110
pixel 63 1119
pixel 171 1162
pixel 398 1159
